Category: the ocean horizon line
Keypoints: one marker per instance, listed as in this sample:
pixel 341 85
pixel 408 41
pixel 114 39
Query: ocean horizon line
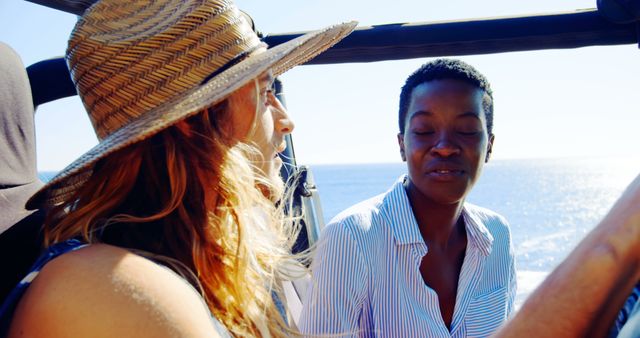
pixel 493 160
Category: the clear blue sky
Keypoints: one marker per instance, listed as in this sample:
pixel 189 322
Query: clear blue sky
pixel 560 103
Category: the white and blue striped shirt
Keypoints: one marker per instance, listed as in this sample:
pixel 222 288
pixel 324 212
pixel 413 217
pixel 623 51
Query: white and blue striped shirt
pixel 366 280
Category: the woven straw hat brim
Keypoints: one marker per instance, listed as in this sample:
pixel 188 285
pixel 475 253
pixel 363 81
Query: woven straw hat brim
pixel 278 59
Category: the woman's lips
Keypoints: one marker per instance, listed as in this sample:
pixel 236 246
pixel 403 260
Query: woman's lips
pixel 445 175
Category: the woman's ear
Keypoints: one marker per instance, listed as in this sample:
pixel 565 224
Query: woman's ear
pixel 401 144
pixel 489 147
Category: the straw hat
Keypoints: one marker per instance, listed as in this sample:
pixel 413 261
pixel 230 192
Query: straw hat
pixel 141 66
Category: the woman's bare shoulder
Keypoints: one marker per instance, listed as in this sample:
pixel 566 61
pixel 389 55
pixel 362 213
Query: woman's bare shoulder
pixel 102 290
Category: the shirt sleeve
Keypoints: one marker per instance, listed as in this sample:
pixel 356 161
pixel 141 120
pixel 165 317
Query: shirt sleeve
pixel 337 290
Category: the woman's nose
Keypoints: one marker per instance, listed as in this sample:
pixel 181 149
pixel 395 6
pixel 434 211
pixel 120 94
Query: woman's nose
pixel 285 125
pixel 282 122
pixel 444 146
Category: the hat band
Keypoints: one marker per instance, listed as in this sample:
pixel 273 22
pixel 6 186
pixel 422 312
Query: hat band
pixel 232 62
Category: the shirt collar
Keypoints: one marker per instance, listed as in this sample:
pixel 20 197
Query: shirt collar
pixel 397 210
pixel 477 233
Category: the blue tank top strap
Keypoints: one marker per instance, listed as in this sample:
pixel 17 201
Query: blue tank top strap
pixel 626 311
pixel 9 304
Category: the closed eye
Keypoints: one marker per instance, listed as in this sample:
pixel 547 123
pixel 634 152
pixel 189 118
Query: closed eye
pixel 423 132
pixel 469 133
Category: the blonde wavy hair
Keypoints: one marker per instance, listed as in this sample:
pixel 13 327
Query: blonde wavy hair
pixel 188 194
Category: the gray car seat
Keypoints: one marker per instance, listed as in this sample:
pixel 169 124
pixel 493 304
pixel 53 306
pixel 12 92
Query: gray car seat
pixel 20 239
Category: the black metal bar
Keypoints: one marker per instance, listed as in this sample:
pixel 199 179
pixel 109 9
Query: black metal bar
pixel 76 7
pixel 471 37
pixel 50 80
pixel 620 11
pixel 613 23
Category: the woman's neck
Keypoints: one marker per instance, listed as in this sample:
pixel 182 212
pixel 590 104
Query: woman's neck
pixel 440 224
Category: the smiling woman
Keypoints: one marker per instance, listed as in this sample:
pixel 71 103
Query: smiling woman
pixel 445 120
pixel 465 283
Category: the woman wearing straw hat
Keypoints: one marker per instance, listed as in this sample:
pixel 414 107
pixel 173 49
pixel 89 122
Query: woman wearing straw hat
pixel 178 94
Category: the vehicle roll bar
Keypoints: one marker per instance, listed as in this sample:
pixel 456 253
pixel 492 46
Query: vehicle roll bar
pixel 615 22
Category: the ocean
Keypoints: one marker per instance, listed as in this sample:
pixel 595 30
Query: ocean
pixel 550 204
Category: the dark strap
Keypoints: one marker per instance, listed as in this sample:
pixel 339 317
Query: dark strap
pixel 20 246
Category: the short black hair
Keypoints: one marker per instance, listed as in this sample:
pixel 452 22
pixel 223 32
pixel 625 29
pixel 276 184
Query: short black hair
pixel 440 69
